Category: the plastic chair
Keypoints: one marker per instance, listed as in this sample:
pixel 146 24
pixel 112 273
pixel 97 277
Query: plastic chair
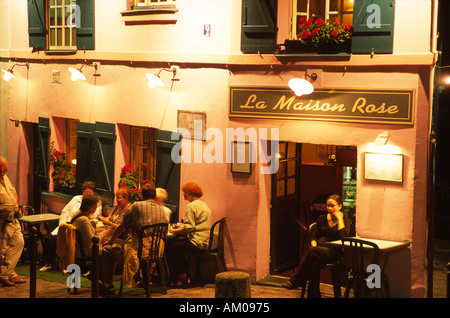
pixel 156 234
pixel 215 248
pixel 334 270
pixel 362 253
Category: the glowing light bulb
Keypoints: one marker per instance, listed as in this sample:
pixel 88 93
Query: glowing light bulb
pixel 76 74
pixel 300 86
pixel 154 81
pixel 8 75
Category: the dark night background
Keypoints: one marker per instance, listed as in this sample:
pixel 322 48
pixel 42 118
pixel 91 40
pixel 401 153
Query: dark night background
pixel 441 126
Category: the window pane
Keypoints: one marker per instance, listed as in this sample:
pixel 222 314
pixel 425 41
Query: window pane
pixel 58 36
pixel 291 164
pixel 59 16
pixel 348 5
pixel 67 37
pixel 281 173
pixel 52 37
pixel 290 186
pixel 301 5
pixel 292 150
pixel 334 5
pixel 316 8
pixel 281 188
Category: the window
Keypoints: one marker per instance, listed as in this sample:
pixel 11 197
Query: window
pixel 325 9
pixel 143 149
pixel 71 142
pixel 61 24
pixel 149 3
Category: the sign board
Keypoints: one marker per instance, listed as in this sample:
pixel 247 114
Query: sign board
pixel 342 104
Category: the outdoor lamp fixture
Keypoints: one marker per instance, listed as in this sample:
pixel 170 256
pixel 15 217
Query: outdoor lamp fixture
pixel 155 80
pixel 382 139
pixel 8 74
pixel 77 73
pixel 301 86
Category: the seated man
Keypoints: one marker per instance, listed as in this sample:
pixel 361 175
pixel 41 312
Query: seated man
pixel 140 213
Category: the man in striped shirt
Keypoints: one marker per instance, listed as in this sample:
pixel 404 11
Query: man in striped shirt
pixel 140 213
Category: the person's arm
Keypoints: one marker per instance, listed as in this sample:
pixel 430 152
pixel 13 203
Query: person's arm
pixel 117 232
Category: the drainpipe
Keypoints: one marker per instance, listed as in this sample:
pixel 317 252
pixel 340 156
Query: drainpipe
pixel 431 152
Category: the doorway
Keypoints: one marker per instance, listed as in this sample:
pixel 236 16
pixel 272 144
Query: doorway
pixel 307 173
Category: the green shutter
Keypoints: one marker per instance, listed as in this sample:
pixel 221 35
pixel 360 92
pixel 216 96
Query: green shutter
pixel 36 23
pixel 168 172
pixel 369 37
pixel 96 157
pixel 85 33
pixel 259 26
pixel 41 157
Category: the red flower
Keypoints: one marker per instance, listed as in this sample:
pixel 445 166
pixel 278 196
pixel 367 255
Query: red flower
pixel 315 31
pixel 336 23
pixel 126 168
pixel 308 24
pixel 320 22
pixel 57 153
pixel 302 20
pixel 63 171
pixel 334 33
pixel 347 27
pixel 306 34
pixel 146 181
pixel 123 185
pixel 57 176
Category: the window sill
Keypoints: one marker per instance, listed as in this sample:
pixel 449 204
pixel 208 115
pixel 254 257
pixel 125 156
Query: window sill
pixel 60 51
pixel 150 15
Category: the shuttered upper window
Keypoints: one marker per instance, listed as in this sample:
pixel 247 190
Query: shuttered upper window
pixel 61 24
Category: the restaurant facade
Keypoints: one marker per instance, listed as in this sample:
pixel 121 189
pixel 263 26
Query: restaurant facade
pixel 226 117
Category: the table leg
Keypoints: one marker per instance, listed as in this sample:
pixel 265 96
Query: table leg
pixel 33 260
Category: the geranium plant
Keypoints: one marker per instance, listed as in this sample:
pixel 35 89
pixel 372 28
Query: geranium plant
pixel 62 175
pixel 316 33
pixel 128 181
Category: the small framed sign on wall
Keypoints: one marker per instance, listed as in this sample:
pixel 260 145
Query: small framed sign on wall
pixel 383 167
pixel 240 154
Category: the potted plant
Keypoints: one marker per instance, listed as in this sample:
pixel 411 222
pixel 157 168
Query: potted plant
pixel 320 36
pixel 128 181
pixel 63 177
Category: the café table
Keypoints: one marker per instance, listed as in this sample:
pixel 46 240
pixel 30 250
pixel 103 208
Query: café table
pixel 35 220
pixel 385 247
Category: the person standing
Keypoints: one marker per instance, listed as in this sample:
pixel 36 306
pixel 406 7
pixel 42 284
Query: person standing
pixel 12 242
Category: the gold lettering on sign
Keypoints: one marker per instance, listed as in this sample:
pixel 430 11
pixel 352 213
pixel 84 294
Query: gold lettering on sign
pixel 251 99
pixel 360 106
pixel 310 106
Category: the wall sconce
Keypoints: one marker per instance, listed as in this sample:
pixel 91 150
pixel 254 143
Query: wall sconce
pixel 155 80
pixel 77 73
pixel 8 74
pixel 301 86
pixel 382 139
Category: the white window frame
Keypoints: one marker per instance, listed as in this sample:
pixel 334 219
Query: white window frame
pixel 151 3
pixel 297 14
pixel 67 24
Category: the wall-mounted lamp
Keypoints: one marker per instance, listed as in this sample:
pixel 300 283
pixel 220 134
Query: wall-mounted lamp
pixel 77 73
pixel 301 86
pixel 8 74
pixel 382 139
pixel 155 80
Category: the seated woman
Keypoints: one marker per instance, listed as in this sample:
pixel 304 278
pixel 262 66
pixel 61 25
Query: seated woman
pixel 192 234
pixel 111 222
pixel 82 222
pixel 329 227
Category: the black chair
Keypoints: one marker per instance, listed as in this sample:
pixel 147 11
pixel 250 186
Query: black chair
pixel 156 234
pixel 334 271
pixel 215 248
pixel 361 254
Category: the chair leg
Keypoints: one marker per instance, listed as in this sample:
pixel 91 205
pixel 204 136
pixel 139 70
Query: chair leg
pixel 335 280
pixel 162 273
